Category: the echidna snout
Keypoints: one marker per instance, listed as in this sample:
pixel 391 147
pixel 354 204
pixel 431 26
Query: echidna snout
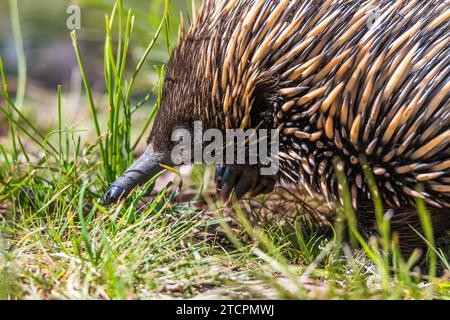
pixel 142 170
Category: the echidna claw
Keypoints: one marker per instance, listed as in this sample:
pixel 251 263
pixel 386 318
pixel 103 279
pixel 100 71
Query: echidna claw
pixel 242 180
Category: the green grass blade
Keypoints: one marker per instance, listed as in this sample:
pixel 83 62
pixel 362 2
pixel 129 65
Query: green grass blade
pixel 87 87
pixel 20 53
pixel 425 220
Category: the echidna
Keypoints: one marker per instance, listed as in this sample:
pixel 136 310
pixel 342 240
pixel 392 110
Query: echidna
pixel 355 79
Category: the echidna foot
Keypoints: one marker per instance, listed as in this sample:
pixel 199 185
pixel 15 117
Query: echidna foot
pixel 242 180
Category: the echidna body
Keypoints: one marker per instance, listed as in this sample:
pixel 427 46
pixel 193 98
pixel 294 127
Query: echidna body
pixel 354 79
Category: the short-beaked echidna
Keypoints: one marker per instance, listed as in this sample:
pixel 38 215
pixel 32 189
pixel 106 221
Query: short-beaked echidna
pixel 355 79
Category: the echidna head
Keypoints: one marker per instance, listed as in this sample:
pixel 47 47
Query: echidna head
pixel 184 101
pixel 202 83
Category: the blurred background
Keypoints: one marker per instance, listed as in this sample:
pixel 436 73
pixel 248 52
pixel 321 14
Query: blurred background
pixel 50 59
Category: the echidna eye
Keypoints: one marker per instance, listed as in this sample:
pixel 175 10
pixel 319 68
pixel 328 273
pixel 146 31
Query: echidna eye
pixel 170 80
pixel 263 105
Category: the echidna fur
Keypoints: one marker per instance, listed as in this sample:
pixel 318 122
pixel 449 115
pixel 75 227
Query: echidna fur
pixel 340 78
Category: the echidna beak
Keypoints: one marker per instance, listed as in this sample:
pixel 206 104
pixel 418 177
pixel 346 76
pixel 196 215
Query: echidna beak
pixel 114 194
pixel 141 171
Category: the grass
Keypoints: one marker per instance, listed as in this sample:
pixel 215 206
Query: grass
pixel 21 60
pixel 58 242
